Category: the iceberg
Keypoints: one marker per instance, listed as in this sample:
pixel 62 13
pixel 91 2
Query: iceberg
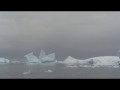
pixel 102 61
pixel 3 60
pixel 105 61
pixel 43 58
pixel 70 61
pixel 32 58
pixel 49 58
pixel 42 54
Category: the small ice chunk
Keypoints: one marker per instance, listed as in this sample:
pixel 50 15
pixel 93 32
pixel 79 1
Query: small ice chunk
pixel 72 66
pixel 49 70
pixel 27 72
pixel 15 61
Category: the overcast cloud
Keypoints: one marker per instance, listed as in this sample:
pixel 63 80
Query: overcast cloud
pixel 78 34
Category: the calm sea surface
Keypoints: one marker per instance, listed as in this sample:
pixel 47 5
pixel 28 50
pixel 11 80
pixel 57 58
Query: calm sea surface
pixel 24 71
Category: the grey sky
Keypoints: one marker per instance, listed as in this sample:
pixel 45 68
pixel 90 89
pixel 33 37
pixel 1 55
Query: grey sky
pixel 78 34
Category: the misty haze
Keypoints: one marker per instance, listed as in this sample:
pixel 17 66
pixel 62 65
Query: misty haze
pixel 59 44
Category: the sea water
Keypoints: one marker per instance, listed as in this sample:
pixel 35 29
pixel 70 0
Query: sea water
pixel 26 71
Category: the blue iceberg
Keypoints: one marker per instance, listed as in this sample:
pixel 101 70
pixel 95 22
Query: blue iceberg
pixel 31 58
pixel 49 58
pixel 43 58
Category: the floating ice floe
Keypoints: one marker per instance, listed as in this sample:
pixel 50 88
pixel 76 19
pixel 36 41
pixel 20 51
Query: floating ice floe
pixel 15 62
pixel 49 70
pixel 27 72
pixel 69 66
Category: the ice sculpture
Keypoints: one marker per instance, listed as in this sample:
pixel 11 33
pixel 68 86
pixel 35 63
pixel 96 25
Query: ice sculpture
pixel 49 58
pixel 3 60
pixel 32 58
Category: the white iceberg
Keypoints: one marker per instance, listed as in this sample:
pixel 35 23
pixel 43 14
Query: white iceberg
pixel 43 58
pixel 105 61
pixel 3 60
pixel 48 59
pixel 42 55
pixel 32 58
pixel 70 61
